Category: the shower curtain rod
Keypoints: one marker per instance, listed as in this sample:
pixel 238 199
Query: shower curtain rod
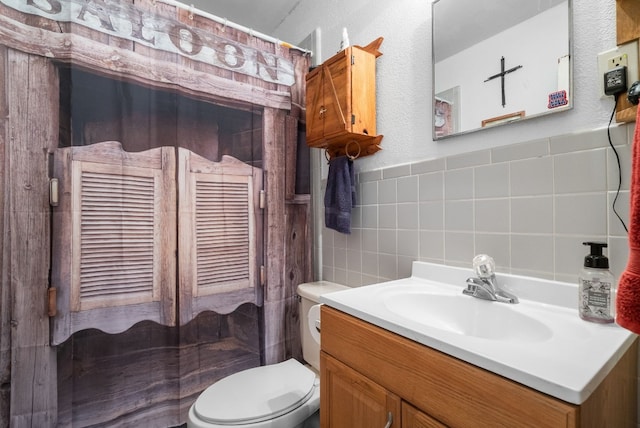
pixel 224 21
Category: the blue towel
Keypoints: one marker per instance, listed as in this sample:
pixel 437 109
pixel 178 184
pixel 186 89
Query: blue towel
pixel 340 195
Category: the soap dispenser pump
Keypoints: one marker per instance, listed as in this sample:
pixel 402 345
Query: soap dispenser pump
pixel 596 287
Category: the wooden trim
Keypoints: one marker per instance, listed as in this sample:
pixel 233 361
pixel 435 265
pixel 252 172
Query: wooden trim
pixel 626 114
pixel 505 118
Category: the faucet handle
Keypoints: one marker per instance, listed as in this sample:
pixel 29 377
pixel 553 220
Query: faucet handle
pixel 484 266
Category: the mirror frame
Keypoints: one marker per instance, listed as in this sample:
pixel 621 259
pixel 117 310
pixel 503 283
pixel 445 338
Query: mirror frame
pixel 509 118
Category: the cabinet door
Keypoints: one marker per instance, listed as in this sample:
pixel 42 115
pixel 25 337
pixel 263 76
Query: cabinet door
pixel 315 107
pixel 414 418
pixel 350 400
pixel 337 95
pixel 363 93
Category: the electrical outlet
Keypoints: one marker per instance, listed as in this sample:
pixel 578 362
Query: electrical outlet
pixel 627 55
pixel 617 61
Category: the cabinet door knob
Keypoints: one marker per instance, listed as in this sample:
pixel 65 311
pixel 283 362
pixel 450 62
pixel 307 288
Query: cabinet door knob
pixel 322 111
pixel 389 420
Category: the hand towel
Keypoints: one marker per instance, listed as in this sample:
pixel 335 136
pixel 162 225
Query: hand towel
pixel 340 195
pixel 628 294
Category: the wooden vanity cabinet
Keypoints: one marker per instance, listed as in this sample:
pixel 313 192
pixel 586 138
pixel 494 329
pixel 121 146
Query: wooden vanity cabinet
pixel 356 402
pixel 366 370
pixel 341 102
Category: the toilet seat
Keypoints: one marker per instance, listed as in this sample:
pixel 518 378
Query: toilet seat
pixel 257 394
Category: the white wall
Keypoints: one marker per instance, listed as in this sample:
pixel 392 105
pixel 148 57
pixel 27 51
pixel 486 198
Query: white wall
pixel 404 74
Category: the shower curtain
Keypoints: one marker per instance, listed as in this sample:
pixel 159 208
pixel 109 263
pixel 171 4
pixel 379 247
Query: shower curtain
pixel 140 259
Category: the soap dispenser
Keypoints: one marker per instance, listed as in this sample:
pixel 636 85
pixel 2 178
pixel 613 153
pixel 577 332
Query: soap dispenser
pixel 596 287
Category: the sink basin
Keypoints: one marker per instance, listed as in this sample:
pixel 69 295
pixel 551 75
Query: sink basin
pixel 467 316
pixel 540 342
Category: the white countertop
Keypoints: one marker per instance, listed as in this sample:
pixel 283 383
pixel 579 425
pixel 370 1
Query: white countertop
pixel 567 358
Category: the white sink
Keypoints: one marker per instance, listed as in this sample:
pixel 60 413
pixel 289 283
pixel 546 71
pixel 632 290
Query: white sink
pixel 540 342
pixel 464 315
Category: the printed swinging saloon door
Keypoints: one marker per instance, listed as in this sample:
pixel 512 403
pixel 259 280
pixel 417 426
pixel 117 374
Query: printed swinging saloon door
pixel 116 234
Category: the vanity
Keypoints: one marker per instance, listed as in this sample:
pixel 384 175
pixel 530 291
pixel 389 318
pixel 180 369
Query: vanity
pixel 417 353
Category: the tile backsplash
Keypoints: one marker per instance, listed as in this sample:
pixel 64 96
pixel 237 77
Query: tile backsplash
pixel 530 206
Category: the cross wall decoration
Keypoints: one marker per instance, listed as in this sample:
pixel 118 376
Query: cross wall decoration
pixel 501 75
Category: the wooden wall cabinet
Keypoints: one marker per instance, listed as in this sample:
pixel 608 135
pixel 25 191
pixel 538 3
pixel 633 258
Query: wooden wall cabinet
pixel 341 102
pixel 369 371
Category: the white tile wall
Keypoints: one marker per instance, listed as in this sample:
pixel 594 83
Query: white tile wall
pixel 431 215
pixel 408 189
pixel 492 215
pixel 431 186
pixel 459 215
pixel 368 193
pixel 530 177
pixel 458 184
pixel 491 181
pixel 387 191
pixel 584 171
pixel 387 216
pixel 529 205
pixel 532 214
pixel 408 216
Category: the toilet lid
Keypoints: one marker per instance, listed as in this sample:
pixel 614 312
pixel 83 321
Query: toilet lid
pixel 257 394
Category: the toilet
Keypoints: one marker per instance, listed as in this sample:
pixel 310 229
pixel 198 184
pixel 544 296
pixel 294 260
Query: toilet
pixel 283 395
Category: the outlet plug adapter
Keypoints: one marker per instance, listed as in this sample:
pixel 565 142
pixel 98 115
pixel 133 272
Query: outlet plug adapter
pixel 615 80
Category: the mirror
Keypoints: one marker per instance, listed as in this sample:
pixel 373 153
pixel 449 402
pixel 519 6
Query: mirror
pixel 498 61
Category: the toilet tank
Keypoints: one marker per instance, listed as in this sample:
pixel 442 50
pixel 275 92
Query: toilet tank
pixel 310 293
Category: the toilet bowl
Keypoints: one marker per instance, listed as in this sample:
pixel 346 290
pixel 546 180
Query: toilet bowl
pixel 282 395
pixel 277 395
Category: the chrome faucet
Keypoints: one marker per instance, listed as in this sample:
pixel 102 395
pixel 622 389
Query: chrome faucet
pixel 485 286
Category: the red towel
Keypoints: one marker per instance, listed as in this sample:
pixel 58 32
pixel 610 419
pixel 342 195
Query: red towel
pixel 628 294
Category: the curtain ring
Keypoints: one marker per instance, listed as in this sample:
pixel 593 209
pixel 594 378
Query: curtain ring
pixel 346 150
pixel 191 12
